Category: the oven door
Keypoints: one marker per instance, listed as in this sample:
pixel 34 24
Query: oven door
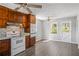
pixel 17 45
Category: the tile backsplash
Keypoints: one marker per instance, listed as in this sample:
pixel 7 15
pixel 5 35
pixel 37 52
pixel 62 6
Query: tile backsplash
pixel 2 32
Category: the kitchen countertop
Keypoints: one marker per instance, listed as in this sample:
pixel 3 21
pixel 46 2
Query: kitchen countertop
pixel 4 38
pixel 26 34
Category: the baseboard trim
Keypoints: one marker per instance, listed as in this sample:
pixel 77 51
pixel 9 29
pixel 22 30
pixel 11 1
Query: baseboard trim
pixel 58 40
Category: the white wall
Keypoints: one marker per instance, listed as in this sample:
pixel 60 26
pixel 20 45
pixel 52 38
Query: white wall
pixel 77 30
pixel 59 9
pixel 68 37
pixel 46 29
pixel 39 31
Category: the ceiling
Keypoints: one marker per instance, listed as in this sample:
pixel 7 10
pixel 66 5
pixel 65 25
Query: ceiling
pixel 53 10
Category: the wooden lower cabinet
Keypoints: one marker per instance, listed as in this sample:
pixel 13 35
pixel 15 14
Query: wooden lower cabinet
pixel 27 42
pixel 5 47
pixel 30 41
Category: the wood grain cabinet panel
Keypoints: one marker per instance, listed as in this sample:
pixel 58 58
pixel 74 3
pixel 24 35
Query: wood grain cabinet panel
pixel 32 19
pixel 3 12
pixel 10 16
pixel 27 42
pixel 24 25
pixel 24 21
pixel 3 23
pixel 0 44
pixel 17 17
pixel 5 47
pixel 32 41
pixel 27 29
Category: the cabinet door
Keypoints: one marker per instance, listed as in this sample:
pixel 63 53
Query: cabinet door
pixel 32 41
pixel 27 29
pixel 1 11
pixel 24 25
pixel 20 18
pixel 0 23
pixel 24 21
pixel 11 16
pixel 5 49
pixel 3 23
pixel 27 42
pixel 32 19
pixel 17 17
pixel 0 46
pixel 5 45
pixel 5 13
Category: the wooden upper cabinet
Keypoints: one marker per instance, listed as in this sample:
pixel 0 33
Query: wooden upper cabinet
pixel 3 23
pixel 32 19
pixel 24 21
pixel 3 12
pixel 16 17
pixel 27 20
pixel 10 16
pixel 20 18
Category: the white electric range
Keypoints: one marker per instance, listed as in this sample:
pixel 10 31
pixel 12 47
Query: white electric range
pixel 17 39
pixel 17 45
